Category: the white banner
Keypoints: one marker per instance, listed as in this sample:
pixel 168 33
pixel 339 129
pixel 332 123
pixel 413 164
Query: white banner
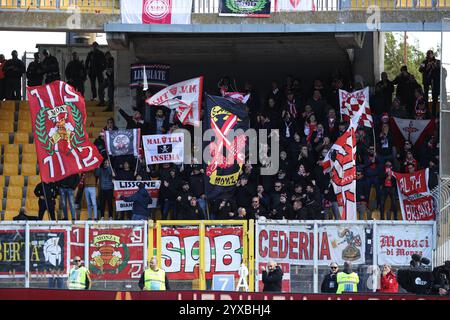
pixel 293 244
pixel 128 188
pixel 294 5
pixel 156 11
pixel 184 97
pixel 397 243
pixel 164 148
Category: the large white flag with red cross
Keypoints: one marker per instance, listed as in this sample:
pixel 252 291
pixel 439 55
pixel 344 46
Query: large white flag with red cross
pixel 340 162
pixel 351 102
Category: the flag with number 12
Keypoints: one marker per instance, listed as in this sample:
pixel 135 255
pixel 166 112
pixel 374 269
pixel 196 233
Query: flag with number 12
pixel 58 119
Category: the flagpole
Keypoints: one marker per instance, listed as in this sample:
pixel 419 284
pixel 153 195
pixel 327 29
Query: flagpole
pixel 374 139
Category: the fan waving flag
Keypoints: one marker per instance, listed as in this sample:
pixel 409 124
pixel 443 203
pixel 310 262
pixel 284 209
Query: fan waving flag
pixel 340 161
pixel 352 102
pixel 58 118
pixel 184 97
pixel 123 142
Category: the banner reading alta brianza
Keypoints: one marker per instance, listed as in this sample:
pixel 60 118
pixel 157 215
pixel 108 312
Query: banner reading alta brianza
pixel 58 119
pixel 245 8
pixel 224 116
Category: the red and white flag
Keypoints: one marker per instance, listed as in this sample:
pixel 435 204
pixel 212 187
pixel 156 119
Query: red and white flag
pixel 340 161
pixel 294 5
pixel 240 97
pixel 184 97
pixel 414 195
pixel 412 130
pixel 351 102
pixel 156 11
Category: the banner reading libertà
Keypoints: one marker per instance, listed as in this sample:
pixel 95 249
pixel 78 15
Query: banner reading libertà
pixel 58 119
pixel 163 148
pixel 156 11
pixel 397 243
pixel 128 188
pixel 414 195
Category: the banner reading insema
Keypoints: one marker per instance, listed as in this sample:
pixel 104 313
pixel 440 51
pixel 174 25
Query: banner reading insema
pixel 294 244
pixel 414 195
pixel 128 188
pixel 396 244
pixel 180 251
pixel 164 148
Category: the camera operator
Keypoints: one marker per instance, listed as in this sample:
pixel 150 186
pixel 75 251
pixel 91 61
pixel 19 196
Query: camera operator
pixel 441 275
pixel 417 278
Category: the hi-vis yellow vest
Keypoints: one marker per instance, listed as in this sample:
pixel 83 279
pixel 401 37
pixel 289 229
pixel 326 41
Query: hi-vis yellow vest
pixel 77 278
pixel 347 282
pixel 154 280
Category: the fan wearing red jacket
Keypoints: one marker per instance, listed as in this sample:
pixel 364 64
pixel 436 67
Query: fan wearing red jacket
pixel 388 280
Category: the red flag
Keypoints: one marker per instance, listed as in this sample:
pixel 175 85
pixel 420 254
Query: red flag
pixel 58 118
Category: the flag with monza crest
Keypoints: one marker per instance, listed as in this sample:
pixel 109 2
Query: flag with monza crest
pixel 227 150
pixel 58 118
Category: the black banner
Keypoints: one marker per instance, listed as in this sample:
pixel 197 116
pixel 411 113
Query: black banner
pixel 245 8
pixel 123 142
pixel 157 75
pixel 47 251
pixel 227 149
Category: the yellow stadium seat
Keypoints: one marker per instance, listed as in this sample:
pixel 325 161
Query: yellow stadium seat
pixel 24 105
pixel 29 169
pixel 28 148
pixel 8 106
pixel 84 215
pixel 7 115
pixel 14 192
pixel 16 181
pixel 13 205
pixel 2 183
pixel 24 126
pixel 12 148
pixel 6 126
pixel 4 138
pixel 11 158
pixel 32 205
pixel 10 169
pixel 30 158
pixel 24 115
pixel 34 180
pixel 22 138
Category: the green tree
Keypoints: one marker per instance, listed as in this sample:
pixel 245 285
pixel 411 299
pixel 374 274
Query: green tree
pixel 394 56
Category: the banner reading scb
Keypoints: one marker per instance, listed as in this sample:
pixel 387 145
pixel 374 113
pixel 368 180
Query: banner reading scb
pixel 128 188
pixel 414 195
pixel 58 118
pixel 180 251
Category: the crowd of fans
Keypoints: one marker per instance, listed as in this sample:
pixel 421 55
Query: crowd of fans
pixel 308 120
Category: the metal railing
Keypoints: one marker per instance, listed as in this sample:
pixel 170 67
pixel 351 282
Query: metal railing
pixel 441 195
pixel 212 6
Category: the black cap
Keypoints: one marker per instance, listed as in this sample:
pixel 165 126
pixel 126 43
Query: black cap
pixel 416 257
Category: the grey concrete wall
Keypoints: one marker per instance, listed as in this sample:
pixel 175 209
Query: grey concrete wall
pixel 367 60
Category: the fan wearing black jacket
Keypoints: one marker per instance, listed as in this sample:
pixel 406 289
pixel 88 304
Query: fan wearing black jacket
pixel 47 193
pixel 272 277
pixel 329 283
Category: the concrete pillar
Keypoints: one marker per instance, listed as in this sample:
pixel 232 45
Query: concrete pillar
pixel 367 60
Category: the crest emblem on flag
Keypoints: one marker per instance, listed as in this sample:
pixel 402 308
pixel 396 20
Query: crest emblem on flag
pixel 67 131
pixel 122 142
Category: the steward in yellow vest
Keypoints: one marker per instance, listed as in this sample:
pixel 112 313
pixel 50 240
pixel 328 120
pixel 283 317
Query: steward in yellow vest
pixel 154 278
pixel 347 280
pixel 78 276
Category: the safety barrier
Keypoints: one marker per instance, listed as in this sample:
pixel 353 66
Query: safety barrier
pixel 196 254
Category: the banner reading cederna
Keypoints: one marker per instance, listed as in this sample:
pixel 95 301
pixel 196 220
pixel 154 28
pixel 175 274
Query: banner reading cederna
pixel 128 188
pixel 294 244
pixel 164 148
